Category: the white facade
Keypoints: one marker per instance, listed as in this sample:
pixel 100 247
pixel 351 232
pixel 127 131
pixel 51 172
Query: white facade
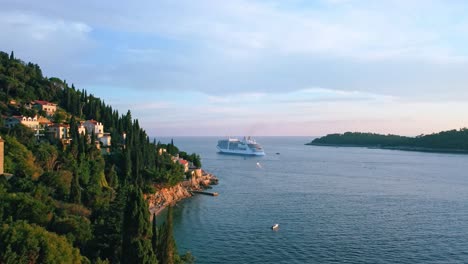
pixel 30 122
pixel 58 131
pixel 94 126
pixel 105 139
pixel 81 129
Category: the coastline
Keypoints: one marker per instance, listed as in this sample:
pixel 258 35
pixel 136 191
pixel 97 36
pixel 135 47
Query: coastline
pixel 402 148
pixel 166 196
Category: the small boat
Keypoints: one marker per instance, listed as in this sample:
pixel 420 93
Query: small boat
pixel 275 226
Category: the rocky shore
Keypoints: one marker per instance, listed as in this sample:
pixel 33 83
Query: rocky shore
pixel 165 196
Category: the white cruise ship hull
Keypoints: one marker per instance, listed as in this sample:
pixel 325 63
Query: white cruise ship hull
pixel 247 146
pixel 241 152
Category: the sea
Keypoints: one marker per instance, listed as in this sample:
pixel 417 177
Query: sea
pixel 332 204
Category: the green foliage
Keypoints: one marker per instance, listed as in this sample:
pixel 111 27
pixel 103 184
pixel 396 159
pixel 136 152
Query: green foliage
pixel 25 81
pixel 170 148
pixel 59 182
pixel 59 116
pixel 76 228
pixel 21 242
pixel 107 242
pixel 46 155
pixel 167 250
pixel 194 158
pixel 187 258
pixel 137 246
pixel 112 178
pixel 23 135
pixel 19 160
pixel 63 209
pixel 75 190
pixel 22 206
pixel 167 171
pixel 154 238
pixel 21 184
pixel 364 139
pixel 58 186
pixel 455 140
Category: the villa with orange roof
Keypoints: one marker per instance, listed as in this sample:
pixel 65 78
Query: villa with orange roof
pixel 47 107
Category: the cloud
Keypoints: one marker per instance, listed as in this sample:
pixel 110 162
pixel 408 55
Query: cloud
pixel 50 42
pixel 242 63
pixel 236 98
pixel 41 28
pixel 147 106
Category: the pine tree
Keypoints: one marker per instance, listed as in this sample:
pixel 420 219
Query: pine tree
pixel 136 231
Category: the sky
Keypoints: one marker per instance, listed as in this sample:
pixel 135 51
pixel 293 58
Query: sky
pixel 271 68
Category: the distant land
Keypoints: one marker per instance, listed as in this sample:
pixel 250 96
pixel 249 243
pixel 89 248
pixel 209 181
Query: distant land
pixel 452 141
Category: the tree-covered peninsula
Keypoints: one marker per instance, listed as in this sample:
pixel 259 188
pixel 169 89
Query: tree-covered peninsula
pixel 445 141
pixel 74 175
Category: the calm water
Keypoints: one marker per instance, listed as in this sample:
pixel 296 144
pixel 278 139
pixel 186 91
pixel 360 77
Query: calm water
pixel 334 205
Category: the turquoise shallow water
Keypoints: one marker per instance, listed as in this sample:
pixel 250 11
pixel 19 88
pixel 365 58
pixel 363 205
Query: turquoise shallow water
pixel 334 205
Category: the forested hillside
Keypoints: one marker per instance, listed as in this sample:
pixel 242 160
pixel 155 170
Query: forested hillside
pixel 71 199
pixel 452 140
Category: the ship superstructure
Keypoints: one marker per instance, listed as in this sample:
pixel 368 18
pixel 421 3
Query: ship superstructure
pixel 246 146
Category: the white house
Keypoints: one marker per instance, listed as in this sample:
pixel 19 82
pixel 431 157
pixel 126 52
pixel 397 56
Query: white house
pixel 81 128
pixel 105 139
pixel 94 126
pixel 30 122
pixel 58 131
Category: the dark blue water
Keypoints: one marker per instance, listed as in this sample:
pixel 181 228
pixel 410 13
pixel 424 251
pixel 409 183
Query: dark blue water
pixel 334 205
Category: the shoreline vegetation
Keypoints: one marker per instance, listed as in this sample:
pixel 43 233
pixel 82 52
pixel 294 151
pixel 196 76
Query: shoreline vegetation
pixel 78 178
pixel 451 141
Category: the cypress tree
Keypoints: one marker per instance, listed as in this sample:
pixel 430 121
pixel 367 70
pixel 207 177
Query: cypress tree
pixel 127 166
pixel 154 238
pixel 75 190
pixel 74 130
pixel 167 247
pixel 136 231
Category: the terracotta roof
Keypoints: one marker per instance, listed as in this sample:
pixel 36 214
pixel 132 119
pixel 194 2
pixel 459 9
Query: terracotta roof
pixel 43 120
pixel 94 122
pixel 43 102
pixel 59 125
pixel 183 162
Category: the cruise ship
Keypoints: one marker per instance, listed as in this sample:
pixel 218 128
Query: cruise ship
pixel 247 146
